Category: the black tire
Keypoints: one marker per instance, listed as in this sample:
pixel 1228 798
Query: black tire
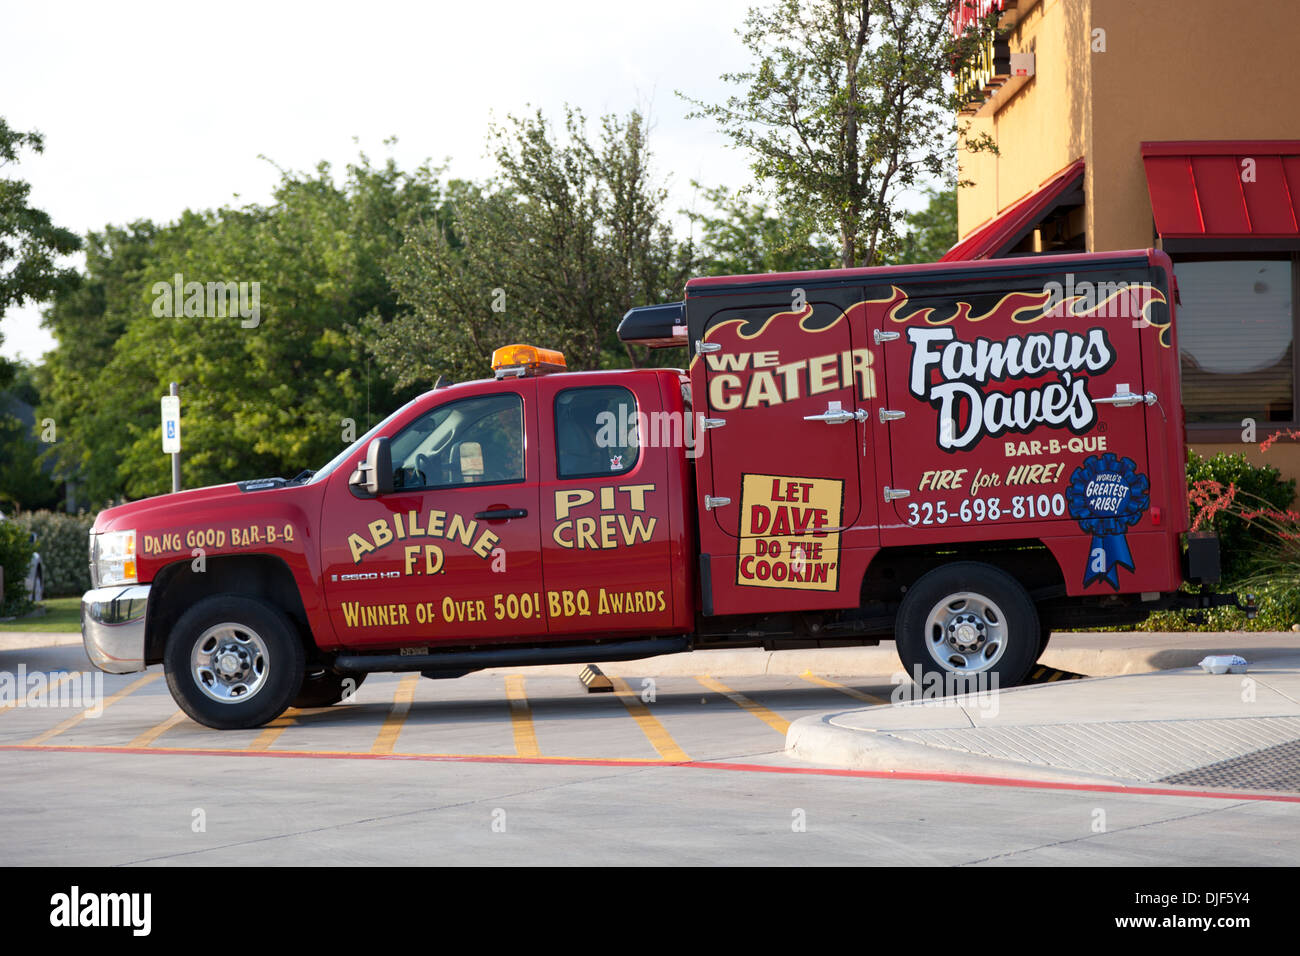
pixel 324 688
pixel 968 618
pixel 1046 639
pixel 226 642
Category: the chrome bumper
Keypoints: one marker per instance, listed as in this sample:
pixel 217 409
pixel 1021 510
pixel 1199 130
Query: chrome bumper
pixel 112 627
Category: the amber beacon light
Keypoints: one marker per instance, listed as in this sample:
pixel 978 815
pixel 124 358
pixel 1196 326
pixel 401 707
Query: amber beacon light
pixel 520 360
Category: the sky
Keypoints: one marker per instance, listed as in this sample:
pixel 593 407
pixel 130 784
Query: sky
pixel 151 108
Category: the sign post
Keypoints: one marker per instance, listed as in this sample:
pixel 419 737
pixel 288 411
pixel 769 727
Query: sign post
pixel 171 432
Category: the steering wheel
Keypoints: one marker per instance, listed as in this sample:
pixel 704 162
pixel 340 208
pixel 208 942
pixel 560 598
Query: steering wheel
pixel 424 467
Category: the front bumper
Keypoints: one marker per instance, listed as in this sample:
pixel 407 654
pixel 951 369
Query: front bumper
pixel 112 627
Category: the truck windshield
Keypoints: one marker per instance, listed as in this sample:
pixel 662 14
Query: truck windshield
pixel 360 443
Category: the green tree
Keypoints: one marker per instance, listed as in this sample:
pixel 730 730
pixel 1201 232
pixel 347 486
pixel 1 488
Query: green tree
pixel 24 482
pixel 847 105
pixel 931 231
pixel 270 392
pixel 566 237
pixel 30 244
pixel 741 237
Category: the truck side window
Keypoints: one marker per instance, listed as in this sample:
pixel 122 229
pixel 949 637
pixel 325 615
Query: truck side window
pixel 595 431
pixel 476 441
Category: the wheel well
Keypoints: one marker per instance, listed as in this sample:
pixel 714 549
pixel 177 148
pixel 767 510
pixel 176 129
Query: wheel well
pixel 1029 561
pixel 178 586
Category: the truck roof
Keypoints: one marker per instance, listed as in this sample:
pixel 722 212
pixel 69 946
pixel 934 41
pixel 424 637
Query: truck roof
pixel 1018 265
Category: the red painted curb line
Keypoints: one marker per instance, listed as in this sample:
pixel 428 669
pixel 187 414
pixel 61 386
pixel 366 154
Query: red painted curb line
pixel 930 776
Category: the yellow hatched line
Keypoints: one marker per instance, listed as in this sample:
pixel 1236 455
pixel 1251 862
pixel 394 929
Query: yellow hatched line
pixel 521 718
pixel 274 729
pixel 852 692
pixel 72 721
pixel 659 738
pixel 387 738
pixel 147 738
pixel 35 695
pixel 773 720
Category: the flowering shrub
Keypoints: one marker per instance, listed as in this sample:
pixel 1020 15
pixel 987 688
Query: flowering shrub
pixel 1251 509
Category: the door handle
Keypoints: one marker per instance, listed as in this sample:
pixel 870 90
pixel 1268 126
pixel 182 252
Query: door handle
pixel 501 514
pixel 835 414
pixel 1123 398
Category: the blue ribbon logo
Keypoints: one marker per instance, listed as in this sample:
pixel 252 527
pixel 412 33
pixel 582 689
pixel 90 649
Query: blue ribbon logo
pixel 1107 496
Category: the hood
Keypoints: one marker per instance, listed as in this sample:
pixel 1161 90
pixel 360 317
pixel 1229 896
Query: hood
pixel 169 509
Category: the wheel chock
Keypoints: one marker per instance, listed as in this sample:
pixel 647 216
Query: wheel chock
pixel 594 680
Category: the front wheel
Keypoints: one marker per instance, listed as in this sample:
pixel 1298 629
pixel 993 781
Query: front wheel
pixel 969 625
pixel 233 662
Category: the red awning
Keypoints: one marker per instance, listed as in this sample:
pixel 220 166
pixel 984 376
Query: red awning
pixel 1208 189
pixel 1007 228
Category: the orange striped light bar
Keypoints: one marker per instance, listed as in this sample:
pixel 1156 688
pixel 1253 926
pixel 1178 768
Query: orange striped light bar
pixel 520 360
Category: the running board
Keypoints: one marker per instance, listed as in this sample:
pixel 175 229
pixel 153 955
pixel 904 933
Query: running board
pixel 466 661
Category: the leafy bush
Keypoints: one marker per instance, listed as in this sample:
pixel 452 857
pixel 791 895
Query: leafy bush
pixel 1241 540
pixel 62 541
pixel 15 557
pixel 1279 610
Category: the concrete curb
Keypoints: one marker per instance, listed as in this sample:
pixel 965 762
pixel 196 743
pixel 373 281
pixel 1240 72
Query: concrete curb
pixel 23 640
pixel 816 740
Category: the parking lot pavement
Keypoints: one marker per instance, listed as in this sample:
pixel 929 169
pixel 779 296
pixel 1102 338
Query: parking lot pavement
pixel 645 719
pixel 689 769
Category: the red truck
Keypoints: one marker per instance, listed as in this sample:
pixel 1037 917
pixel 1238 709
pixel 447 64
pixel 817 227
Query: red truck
pixel 958 457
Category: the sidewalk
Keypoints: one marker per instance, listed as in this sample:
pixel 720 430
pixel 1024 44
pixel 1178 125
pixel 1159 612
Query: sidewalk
pixel 1178 727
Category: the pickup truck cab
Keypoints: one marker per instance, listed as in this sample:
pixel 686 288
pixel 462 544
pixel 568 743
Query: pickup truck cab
pixel 956 457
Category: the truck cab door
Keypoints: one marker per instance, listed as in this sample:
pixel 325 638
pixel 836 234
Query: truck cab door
pixel 453 553
pixel 607 535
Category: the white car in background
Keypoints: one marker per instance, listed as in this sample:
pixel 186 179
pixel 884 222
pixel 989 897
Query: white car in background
pixel 35 575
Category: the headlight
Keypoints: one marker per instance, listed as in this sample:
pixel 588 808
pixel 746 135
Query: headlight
pixel 112 558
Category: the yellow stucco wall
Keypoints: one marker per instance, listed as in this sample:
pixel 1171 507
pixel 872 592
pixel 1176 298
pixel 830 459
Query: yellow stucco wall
pixel 1171 70
pixel 1042 126
pixel 1176 70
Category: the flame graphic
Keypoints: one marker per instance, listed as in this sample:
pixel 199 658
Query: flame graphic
pixel 1131 301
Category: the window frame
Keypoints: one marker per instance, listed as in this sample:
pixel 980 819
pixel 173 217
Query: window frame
pixel 523 442
pixel 555 425
pixel 1225 431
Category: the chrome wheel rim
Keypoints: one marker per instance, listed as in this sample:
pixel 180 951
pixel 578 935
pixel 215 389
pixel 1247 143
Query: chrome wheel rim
pixel 966 633
pixel 229 663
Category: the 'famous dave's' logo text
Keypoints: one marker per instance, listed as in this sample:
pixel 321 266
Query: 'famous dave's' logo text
pixel 966 392
pixel 968 412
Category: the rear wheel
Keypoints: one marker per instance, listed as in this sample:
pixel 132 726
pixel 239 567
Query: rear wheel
pixel 233 662
pixel 968 623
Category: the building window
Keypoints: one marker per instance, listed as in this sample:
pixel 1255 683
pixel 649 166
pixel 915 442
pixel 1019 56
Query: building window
pixel 1236 336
